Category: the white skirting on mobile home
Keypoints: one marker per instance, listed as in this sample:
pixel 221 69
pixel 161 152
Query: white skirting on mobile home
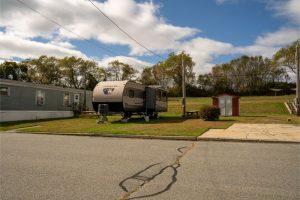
pixel 18 115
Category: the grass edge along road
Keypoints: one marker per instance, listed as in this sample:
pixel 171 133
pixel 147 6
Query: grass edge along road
pixel 267 109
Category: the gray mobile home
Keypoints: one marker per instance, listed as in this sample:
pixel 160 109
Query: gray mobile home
pixel 30 101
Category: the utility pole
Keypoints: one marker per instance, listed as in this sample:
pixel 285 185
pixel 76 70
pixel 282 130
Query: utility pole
pixel 183 87
pixel 84 92
pixel 298 78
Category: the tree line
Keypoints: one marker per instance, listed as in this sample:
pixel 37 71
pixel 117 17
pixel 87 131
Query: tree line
pixel 70 72
pixel 246 75
pixel 253 75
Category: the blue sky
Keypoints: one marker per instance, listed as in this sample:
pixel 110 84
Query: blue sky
pixel 211 31
pixel 238 23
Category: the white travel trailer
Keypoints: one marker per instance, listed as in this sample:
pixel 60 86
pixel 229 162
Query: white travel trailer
pixel 128 97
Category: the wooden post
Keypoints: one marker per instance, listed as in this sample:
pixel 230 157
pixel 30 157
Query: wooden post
pixel 183 88
pixel 298 79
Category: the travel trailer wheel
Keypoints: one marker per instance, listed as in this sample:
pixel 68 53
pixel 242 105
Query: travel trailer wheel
pixel 153 115
pixel 126 114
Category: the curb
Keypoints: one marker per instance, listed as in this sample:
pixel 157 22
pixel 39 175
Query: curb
pixel 185 138
pixel 246 140
pixel 182 138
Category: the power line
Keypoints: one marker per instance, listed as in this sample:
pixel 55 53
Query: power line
pixel 123 31
pixel 76 34
pixel 235 75
pixel 58 24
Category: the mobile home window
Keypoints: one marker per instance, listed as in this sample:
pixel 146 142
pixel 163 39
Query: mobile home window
pixel 76 98
pixel 66 99
pixel 131 94
pixel 40 97
pixel 4 91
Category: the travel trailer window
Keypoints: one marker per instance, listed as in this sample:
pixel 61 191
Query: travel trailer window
pixel 131 94
pixel 40 97
pixel 158 95
pixel 164 96
pixel 66 99
pixel 139 94
pixel 4 91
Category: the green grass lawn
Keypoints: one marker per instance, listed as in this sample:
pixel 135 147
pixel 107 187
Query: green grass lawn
pixel 268 109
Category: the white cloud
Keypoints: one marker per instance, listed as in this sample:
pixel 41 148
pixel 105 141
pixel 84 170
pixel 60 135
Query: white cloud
pixel 281 37
pixel 64 44
pixel 287 8
pixel 269 43
pixel 22 48
pixel 134 62
pixel 15 47
pixel 204 50
pixel 22 26
pixel 255 50
pixel 139 19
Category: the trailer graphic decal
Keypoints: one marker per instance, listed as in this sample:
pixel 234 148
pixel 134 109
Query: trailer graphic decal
pixel 108 91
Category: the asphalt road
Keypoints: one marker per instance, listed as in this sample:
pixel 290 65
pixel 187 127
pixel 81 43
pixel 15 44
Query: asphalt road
pixel 72 167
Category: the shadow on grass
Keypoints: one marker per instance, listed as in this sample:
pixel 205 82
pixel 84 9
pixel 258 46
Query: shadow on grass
pixel 15 123
pixel 226 120
pixel 161 119
pixel 164 119
pixel 252 116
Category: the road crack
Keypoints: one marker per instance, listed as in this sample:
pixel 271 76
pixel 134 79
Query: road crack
pixel 145 180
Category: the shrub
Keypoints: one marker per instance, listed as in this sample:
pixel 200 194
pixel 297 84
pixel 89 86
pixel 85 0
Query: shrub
pixel 76 109
pixel 210 113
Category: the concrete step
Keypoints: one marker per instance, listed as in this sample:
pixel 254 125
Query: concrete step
pixel 290 105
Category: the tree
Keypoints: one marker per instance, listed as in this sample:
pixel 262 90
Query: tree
pixel 87 70
pixel 45 70
pixel 121 71
pixel 128 73
pixel 173 67
pixel 147 76
pixel 285 57
pixel 205 81
pixel 246 75
pixel 70 67
pixel 161 74
pixel 115 70
pixel 101 74
pixel 79 73
pixel 14 71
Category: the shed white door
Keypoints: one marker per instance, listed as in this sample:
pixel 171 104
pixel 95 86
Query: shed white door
pixel 225 105
pixel 228 109
pixel 222 105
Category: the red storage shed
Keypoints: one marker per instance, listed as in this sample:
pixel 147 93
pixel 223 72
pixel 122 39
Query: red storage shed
pixel 228 104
